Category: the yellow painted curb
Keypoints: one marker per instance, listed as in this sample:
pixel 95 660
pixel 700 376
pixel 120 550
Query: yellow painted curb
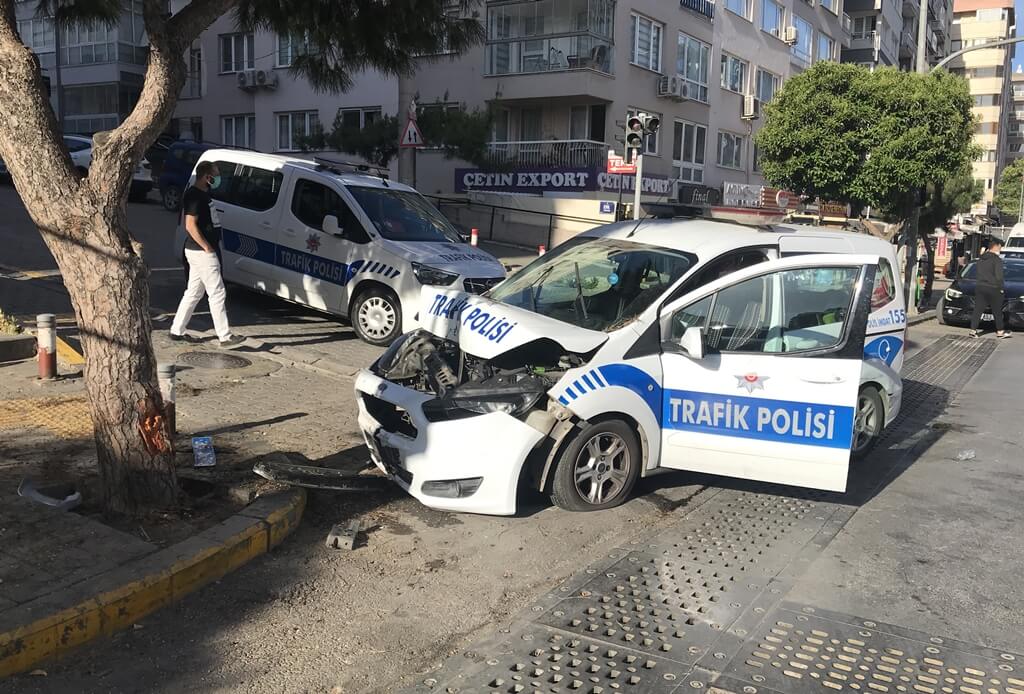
pixel 68 354
pixel 53 625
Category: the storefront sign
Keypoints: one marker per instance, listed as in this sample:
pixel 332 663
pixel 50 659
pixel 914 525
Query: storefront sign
pixel 557 180
pixel 741 195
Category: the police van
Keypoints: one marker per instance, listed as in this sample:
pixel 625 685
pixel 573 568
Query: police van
pixel 328 236
pixel 768 353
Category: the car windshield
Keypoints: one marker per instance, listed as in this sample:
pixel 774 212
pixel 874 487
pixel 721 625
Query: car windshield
pixel 1015 242
pixel 598 284
pixel 1012 271
pixel 400 215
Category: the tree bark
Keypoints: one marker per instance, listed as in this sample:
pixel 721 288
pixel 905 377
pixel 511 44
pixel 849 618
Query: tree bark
pixel 84 224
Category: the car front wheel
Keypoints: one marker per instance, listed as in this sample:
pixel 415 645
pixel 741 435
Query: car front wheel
pixel 377 316
pixel 599 467
pixel 171 198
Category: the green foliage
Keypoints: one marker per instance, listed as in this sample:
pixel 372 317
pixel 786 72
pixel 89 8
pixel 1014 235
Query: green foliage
pixel 1007 197
pixel 950 197
pixel 461 134
pixel 8 326
pixel 841 132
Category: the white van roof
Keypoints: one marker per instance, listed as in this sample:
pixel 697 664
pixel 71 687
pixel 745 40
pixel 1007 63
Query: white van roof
pixel 708 238
pixel 280 161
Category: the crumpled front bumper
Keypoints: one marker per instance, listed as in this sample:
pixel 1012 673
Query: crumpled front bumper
pixel 411 450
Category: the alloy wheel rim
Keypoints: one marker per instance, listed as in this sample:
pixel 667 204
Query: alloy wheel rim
pixel 866 422
pixel 377 317
pixel 171 197
pixel 602 468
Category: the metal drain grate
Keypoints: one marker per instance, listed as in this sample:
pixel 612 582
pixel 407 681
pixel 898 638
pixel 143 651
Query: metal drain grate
pixel 546 661
pixel 213 360
pixel 801 649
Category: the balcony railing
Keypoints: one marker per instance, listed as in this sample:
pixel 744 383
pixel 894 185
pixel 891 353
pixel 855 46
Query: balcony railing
pixel 110 52
pixel 908 45
pixel 193 88
pixel 548 153
pixel 704 7
pixel 847 23
pixel 551 54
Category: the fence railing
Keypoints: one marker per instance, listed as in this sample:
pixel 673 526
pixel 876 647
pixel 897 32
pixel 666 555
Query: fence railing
pixel 549 153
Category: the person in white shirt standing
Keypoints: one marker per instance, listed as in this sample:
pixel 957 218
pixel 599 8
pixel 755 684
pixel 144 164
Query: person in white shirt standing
pixel 202 242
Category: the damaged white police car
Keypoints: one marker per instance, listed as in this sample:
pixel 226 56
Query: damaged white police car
pixel 767 353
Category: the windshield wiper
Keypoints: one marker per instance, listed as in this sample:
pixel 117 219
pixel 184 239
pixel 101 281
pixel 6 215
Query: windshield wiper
pixel 540 278
pixel 579 292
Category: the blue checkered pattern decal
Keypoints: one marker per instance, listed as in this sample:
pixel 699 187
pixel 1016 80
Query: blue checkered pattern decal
pixel 299 261
pixel 621 375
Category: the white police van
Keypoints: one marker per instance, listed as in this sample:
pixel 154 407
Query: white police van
pixel 341 241
pixel 766 353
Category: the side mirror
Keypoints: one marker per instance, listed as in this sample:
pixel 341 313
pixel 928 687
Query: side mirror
pixel 331 226
pixel 692 343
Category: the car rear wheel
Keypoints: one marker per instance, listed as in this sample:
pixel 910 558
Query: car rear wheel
pixel 377 316
pixel 598 469
pixel 171 198
pixel 868 422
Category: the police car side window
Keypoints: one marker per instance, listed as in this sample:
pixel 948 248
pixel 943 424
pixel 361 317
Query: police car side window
pixel 816 305
pixel 741 316
pixel 312 201
pixel 227 178
pixel 884 290
pixel 693 316
pixel 254 188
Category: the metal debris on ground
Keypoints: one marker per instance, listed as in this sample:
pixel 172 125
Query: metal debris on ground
pixel 969 454
pixel 342 537
pixel 61 497
pixel 312 477
pixel 202 448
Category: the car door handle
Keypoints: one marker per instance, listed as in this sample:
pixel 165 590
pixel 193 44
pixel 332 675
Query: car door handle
pixel 824 380
pixel 219 211
pixel 289 231
pixel 265 225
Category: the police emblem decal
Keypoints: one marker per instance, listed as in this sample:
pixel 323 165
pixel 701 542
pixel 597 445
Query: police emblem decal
pixel 751 382
pixel 313 243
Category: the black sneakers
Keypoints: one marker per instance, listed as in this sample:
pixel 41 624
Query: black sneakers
pixel 232 341
pixel 181 338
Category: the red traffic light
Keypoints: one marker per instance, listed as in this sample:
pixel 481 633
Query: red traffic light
pixel 635 124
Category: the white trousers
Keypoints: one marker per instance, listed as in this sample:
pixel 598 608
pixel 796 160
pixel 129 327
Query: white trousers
pixel 203 277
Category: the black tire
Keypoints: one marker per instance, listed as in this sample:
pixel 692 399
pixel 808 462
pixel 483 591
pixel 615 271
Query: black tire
pixel 170 198
pixel 376 316
pixel 865 440
pixel 611 490
pixel 940 311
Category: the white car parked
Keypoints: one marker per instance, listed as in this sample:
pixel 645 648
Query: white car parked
pixel 346 243
pixel 765 353
pixel 80 149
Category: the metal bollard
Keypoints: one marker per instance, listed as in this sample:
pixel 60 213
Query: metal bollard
pixel 165 375
pixel 474 236
pixel 46 345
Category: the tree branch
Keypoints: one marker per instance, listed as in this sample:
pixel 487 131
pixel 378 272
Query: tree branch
pixel 195 18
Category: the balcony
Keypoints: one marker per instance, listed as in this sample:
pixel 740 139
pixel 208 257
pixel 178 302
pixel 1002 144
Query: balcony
pixel 847 24
pixel 704 7
pixel 550 36
pixel 908 45
pixel 544 154
pixel 911 8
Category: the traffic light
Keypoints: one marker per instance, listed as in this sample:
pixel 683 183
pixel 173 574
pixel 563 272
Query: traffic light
pixel 635 132
pixel 652 124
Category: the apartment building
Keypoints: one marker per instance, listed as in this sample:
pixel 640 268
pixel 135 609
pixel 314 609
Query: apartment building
pixel 1015 132
pixel 560 76
pixel 100 72
pixel 884 32
pixel 988 72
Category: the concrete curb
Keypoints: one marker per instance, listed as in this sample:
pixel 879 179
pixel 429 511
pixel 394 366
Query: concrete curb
pixel 53 625
pixel 17 347
pixel 922 317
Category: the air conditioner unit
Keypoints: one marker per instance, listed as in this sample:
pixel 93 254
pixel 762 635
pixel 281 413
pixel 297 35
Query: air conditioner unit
pixel 665 86
pixel 791 35
pixel 266 79
pixel 673 87
pixel 751 107
pixel 687 91
pixel 247 79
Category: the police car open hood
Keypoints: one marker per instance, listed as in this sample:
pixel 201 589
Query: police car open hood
pixel 486 328
pixel 454 257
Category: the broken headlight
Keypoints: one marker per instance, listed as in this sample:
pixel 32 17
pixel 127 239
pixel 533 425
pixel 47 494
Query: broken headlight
pixel 431 275
pixel 469 400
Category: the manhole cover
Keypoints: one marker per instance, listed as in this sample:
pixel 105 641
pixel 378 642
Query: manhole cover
pixel 213 360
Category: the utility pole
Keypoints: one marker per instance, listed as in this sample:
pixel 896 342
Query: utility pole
pixel 406 161
pixel 639 178
pixel 911 230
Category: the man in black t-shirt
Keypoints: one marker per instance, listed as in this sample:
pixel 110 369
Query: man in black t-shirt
pixel 202 245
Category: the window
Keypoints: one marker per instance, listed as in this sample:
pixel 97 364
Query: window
pixel 986 100
pixel 987 128
pixel 987 155
pixel 312 201
pixel 864 27
pixel 734 73
pixel 193 88
pixel 693 58
pixel 767 85
pixel 829 5
pixel 401 215
pixel 37 34
pixel 740 7
pixel 772 16
pixel 247 186
pixel 783 312
pixel 755 164
pixel 646 43
pixel 292 127
pixel 688 144
pixel 359 118
pixel 289 48
pixel 730 150
pixel 579 127
pixel 693 316
pixel 884 290
pixel 651 143
pixel 801 50
pixel 238 131
pixel 826 47
pixel 236 52
pixel 988 183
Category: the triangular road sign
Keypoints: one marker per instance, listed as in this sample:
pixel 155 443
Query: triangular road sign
pixel 412 137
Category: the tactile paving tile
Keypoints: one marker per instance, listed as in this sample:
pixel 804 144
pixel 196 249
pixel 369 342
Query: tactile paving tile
pixel 543 660
pixel 660 606
pixel 802 649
